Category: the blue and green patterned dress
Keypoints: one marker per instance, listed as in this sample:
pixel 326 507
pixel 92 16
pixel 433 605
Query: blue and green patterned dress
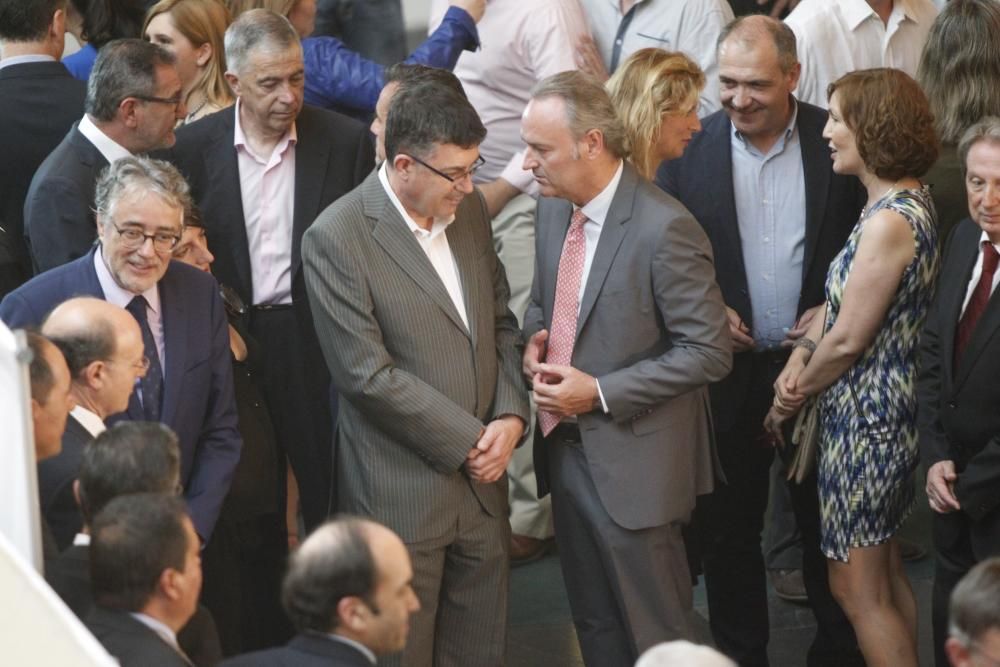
pixel 866 463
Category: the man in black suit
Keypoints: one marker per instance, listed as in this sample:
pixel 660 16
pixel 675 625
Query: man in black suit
pixel 41 103
pixel 957 387
pixel 130 457
pixel 759 180
pixel 146 575
pixel 102 344
pixel 133 100
pixel 348 592
pixel 261 172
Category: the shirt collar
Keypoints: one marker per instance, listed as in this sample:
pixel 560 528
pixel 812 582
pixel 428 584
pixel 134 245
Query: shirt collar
pixel 985 238
pixel 157 626
pixel 109 148
pixel 115 293
pixel 857 12
pixel 89 420
pixel 27 58
pixel 367 652
pixel 240 139
pixel 439 225
pixel 779 145
pixel 597 208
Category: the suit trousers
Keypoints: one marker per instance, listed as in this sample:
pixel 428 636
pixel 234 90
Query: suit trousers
pixel 461 579
pixel 628 589
pixel 728 525
pixel 514 240
pixel 301 403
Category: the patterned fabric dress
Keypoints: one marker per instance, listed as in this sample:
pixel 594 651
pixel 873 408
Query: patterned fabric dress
pixel 866 461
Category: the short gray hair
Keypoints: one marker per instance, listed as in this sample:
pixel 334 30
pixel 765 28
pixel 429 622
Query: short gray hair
pixel 334 562
pixel 124 68
pixel 257 29
pixel 139 173
pixel 985 129
pixel 588 107
pixel 974 608
pixel 752 28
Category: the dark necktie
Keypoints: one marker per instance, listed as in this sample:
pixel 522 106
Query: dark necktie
pixel 152 382
pixel 977 303
pixel 566 309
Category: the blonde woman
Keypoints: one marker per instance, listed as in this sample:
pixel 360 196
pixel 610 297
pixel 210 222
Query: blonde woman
pixel 193 31
pixel 656 95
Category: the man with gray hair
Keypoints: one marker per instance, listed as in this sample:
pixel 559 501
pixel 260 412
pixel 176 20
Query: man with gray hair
pixel 957 388
pixel 103 347
pixel 261 172
pixel 188 383
pixel 349 593
pixel 974 618
pixel 623 441
pixel 133 101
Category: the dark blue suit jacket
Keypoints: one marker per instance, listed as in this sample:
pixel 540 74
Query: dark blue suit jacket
pixel 305 650
pixel 703 181
pixel 198 400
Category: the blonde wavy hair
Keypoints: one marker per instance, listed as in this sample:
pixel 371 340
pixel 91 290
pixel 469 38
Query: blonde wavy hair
pixel 652 83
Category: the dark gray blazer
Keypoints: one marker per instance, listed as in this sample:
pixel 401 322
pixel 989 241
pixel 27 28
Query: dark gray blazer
pixel 417 386
pixel 652 329
pixel 305 650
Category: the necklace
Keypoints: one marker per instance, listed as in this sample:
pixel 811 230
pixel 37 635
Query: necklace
pixel 867 209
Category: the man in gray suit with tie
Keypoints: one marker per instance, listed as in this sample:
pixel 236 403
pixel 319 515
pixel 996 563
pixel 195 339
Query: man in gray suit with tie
pixel 410 303
pixel 626 328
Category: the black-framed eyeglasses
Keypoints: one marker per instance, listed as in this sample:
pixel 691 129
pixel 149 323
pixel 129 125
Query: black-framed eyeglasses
pixel 469 173
pixel 172 101
pixel 133 239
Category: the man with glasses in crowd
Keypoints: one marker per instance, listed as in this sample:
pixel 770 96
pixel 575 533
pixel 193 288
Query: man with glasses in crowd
pixel 188 383
pixel 410 302
pixel 133 102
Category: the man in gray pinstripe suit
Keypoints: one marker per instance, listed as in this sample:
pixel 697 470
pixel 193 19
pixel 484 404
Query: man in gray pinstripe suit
pixel 410 303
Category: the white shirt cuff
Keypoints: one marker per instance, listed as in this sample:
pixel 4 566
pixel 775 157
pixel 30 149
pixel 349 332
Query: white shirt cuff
pixel 600 394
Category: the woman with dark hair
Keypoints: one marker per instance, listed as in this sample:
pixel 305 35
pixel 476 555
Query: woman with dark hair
pixel 860 359
pixel 94 23
pixel 960 73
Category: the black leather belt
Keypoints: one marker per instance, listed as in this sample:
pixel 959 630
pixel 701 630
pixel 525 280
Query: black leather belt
pixel 270 307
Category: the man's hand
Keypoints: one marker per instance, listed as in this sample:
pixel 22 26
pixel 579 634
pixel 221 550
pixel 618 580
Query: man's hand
pixel 564 390
pixel 534 352
pixel 475 8
pixel 773 425
pixel 801 326
pixel 941 478
pixel 488 460
pixel 739 331
pixel 589 60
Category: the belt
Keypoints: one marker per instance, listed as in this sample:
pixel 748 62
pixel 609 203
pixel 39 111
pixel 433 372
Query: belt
pixel 269 307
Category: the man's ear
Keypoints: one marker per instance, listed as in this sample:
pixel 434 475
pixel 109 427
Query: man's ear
pixel 57 28
pixel 168 584
pixel 234 82
pixel 401 164
pixel 93 375
pixel 127 112
pixel 593 142
pixel 352 614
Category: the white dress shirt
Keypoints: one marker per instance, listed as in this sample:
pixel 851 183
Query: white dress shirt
pixel 521 43
pixel 435 245
pixel 690 26
pixel 109 148
pixel 89 420
pixel 267 188
pixel 977 271
pixel 121 297
pixel 835 37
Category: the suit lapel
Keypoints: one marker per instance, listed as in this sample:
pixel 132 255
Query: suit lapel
pixel 174 345
pixel 988 323
pixel 719 172
pixel 392 233
pixel 612 233
pixel 816 170
pixel 225 178
pixel 311 156
pixel 952 292
pixel 557 230
pixel 464 250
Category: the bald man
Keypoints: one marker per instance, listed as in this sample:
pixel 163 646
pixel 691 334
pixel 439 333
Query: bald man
pixel 102 344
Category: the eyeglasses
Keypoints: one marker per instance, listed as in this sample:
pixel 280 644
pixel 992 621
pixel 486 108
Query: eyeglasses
pixel 133 239
pixel 457 177
pixel 172 101
pixel 141 365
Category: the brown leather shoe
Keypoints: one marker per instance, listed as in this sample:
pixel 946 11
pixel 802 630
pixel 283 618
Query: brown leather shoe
pixel 524 549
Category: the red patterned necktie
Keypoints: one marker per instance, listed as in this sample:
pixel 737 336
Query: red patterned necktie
pixel 562 332
pixel 977 303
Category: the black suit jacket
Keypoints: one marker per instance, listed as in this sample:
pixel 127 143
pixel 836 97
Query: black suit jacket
pixel 59 222
pixel 333 154
pixel 41 101
pixel 55 484
pixel 131 642
pixel 305 650
pixel 959 417
pixel 703 181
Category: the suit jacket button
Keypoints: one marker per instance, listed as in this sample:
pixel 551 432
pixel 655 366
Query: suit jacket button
pixel 952 404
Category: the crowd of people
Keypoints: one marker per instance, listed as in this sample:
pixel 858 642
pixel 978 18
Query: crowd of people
pixel 324 340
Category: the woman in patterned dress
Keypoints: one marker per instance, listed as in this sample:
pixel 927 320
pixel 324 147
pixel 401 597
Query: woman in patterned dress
pixel 861 361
